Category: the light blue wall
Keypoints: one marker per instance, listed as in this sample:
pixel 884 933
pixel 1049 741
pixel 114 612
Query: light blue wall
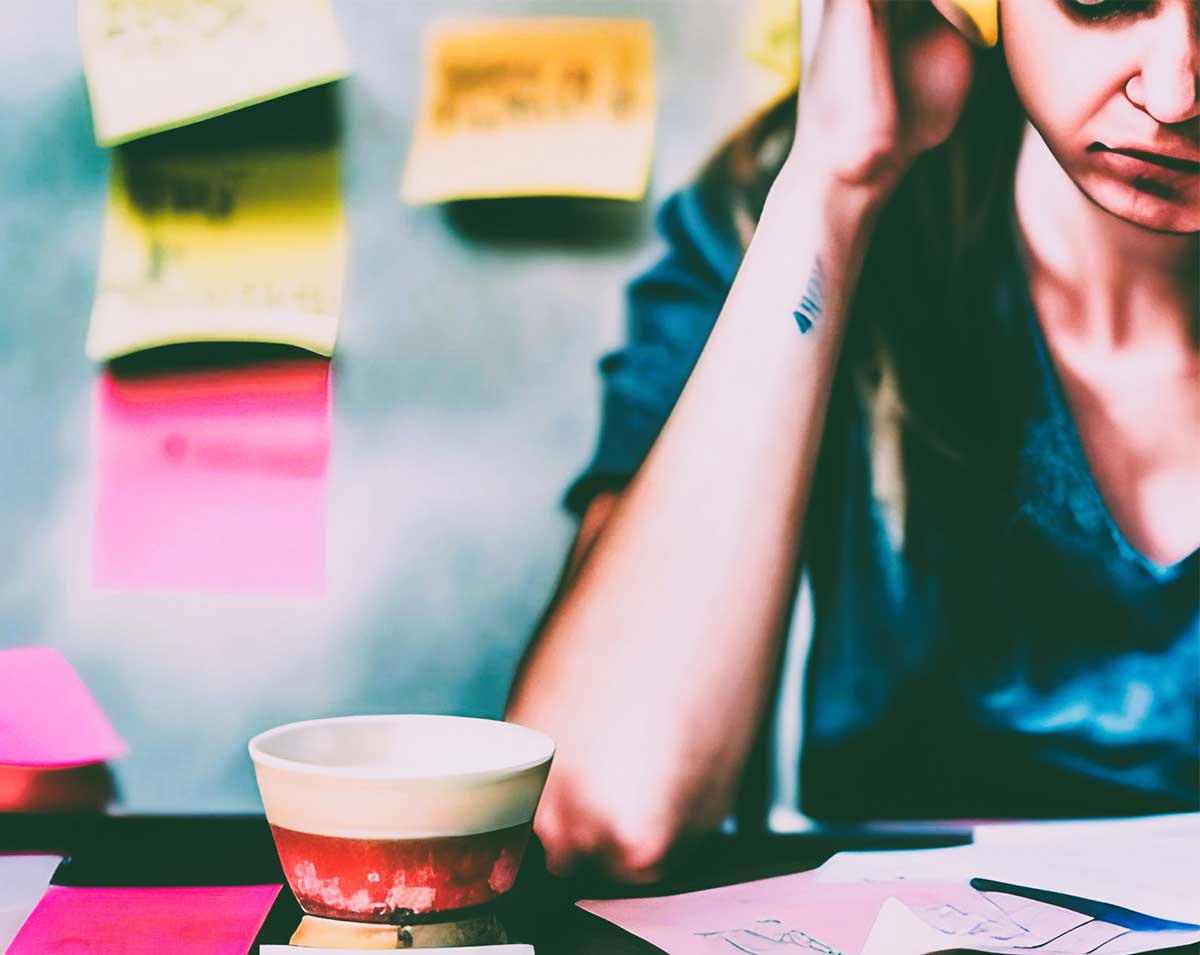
pixel 465 398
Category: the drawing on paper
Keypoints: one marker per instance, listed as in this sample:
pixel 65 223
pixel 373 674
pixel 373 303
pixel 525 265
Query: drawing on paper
pixel 765 936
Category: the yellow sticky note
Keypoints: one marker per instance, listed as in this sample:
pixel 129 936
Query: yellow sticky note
pixel 534 107
pixel 157 64
pixel 773 37
pixel 979 19
pixel 226 247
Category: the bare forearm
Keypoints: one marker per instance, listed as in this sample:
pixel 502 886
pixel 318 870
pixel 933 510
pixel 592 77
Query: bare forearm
pixel 658 657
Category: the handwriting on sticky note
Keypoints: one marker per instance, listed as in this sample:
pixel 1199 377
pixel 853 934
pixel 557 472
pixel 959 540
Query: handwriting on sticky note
pixel 204 920
pixel 72 732
pixel 240 246
pixel 554 106
pixel 156 64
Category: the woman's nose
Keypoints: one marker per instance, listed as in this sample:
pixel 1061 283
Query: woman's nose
pixel 1168 85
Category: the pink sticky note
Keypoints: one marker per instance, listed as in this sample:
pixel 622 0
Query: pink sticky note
pixel 208 920
pixel 213 480
pixel 47 716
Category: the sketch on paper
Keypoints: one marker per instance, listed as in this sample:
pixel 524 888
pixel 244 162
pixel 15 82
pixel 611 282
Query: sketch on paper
pixel 766 936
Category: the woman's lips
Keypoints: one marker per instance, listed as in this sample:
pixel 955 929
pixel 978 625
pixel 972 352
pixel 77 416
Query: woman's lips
pixel 1143 164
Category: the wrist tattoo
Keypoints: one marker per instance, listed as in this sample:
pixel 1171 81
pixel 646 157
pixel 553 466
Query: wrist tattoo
pixel 811 302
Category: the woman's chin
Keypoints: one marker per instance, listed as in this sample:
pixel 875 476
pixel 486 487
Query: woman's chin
pixel 1148 205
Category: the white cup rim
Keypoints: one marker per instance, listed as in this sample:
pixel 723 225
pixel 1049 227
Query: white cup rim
pixel 261 758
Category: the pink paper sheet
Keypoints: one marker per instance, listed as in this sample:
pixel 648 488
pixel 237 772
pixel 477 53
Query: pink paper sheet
pixel 712 920
pixel 214 480
pixel 47 716
pixel 216 920
pixel 785 913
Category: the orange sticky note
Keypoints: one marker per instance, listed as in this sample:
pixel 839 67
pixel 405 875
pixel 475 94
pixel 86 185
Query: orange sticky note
pixel 534 107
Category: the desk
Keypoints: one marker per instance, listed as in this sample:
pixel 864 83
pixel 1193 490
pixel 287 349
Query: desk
pixel 223 850
pixel 191 850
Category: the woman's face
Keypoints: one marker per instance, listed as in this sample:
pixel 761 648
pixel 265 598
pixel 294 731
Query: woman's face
pixel 1111 85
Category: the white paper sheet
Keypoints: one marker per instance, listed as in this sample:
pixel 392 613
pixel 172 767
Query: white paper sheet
pixel 899 931
pixel 1145 865
pixel 23 882
pixel 902 930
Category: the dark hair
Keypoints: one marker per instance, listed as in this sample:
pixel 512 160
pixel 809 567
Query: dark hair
pixel 930 255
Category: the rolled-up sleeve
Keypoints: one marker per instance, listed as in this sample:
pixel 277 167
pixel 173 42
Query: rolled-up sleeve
pixel 671 310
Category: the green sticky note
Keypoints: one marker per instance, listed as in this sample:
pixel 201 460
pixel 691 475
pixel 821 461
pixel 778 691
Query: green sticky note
pixel 157 64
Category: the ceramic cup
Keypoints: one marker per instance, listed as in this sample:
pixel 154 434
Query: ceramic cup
pixel 377 818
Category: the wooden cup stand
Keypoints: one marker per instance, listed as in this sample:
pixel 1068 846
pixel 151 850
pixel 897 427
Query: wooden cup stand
pixel 475 929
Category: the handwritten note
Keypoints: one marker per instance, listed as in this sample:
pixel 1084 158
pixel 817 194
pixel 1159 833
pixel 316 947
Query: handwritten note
pixel 241 246
pixel 23 880
pixel 156 64
pixel 773 37
pixel 214 480
pixel 524 107
pixel 208 920
pixel 47 716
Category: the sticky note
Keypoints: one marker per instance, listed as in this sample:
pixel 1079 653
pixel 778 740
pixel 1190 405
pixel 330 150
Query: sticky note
pixel 213 479
pixel 979 19
pixel 47 716
pixel 23 880
pixel 231 246
pixel 773 37
pixel 534 107
pixel 206 920
pixel 157 64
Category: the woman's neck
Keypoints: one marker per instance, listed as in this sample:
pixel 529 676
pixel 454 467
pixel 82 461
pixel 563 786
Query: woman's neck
pixel 1102 279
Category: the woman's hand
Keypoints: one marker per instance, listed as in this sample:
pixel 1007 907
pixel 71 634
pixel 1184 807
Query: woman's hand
pixel 888 80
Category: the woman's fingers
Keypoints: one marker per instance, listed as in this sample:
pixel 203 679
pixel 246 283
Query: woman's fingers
pixel 624 842
pixel 887 81
pixel 934 74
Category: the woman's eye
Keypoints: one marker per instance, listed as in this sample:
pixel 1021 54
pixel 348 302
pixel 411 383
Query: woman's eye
pixel 1097 10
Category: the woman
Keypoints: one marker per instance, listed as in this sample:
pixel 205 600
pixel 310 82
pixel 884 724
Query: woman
pixel 954 380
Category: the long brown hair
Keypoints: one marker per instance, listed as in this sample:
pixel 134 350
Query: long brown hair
pixel 928 257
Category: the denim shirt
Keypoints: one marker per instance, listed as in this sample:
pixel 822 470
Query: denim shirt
pixel 1014 655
